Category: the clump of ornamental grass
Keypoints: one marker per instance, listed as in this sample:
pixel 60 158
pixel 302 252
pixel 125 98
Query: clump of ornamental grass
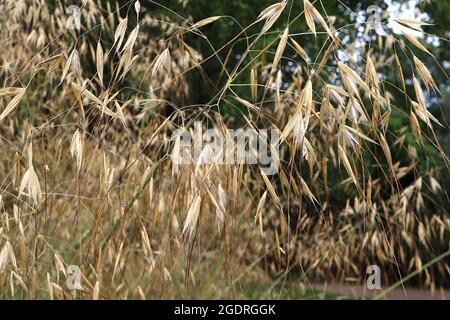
pixel 86 121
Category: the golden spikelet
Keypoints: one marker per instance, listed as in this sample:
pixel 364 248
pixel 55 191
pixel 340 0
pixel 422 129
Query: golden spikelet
pixel 192 216
pixel 30 180
pixel 205 22
pixel 311 13
pixel 162 62
pixel 280 49
pixel 120 33
pixel 254 83
pixel 271 15
pixel 425 74
pixel 76 148
pixel 99 61
pixel 415 42
pixel 347 165
pixel 298 48
pixel 19 93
